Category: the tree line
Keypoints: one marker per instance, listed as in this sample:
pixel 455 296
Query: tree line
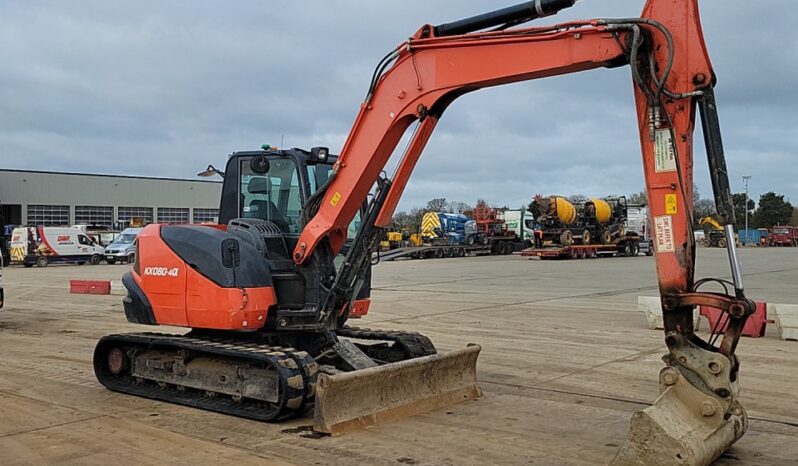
pixel 772 209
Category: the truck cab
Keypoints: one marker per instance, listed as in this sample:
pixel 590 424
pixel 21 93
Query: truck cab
pixel 783 235
pixel 522 223
pixel 637 222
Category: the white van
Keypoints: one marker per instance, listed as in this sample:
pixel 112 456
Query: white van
pixel 123 248
pixel 44 245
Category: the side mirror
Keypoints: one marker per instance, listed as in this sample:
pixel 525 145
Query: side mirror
pixel 259 164
pixel 231 254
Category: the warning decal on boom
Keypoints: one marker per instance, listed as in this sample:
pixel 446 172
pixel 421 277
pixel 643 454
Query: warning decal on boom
pixel 663 229
pixel 664 156
pixel 670 204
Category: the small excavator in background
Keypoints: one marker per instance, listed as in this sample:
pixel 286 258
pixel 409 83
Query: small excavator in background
pixel 268 292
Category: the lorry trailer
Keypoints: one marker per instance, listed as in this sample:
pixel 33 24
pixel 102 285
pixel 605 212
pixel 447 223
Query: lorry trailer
pixel 626 246
pixel 494 232
pixel 491 245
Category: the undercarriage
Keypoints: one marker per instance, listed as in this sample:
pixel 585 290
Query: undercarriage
pixel 249 375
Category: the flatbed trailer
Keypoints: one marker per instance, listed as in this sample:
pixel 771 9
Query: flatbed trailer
pixel 495 245
pixel 627 246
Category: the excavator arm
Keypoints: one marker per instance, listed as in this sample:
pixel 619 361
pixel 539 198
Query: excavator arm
pixel 697 415
pixel 711 222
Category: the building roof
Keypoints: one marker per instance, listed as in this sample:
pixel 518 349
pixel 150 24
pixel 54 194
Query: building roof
pixel 13 170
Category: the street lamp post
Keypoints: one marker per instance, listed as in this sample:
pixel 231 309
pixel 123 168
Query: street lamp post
pixel 745 180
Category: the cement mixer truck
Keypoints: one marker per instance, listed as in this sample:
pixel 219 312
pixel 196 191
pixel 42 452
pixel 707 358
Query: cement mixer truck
pixel 604 220
pixel 587 228
pixel 558 220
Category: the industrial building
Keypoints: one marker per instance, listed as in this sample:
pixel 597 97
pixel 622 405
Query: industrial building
pixel 56 199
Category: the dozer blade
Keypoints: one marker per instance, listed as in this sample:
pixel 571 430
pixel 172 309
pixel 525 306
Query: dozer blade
pixel 355 400
pixel 684 426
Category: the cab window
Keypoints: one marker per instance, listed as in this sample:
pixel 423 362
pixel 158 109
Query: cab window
pixel 318 175
pixel 84 240
pixel 274 196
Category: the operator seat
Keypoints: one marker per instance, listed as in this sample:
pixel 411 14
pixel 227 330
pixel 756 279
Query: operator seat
pixel 265 209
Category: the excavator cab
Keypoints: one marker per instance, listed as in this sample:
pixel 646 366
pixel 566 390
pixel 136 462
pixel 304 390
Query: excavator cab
pixel 278 189
pixel 272 187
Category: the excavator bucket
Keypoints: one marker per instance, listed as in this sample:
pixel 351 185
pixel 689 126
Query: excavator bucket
pixel 684 426
pixel 355 400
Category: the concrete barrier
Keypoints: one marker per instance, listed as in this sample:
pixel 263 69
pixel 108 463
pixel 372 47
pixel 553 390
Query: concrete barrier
pixel 651 306
pixel 786 317
pixel 117 288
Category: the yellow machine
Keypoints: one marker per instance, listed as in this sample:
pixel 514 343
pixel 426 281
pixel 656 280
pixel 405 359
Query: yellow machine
pixel 711 222
pixel 602 210
pixel 395 237
pixel 394 240
pixel 715 238
pixel 561 208
pixel 429 224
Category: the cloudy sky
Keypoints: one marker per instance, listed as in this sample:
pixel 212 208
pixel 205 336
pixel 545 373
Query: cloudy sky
pixel 163 88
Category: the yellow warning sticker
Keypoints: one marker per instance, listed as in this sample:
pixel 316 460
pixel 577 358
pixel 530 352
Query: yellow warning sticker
pixel 670 204
pixel 336 197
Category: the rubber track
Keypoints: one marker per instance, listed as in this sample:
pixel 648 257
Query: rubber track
pixel 414 344
pixel 286 361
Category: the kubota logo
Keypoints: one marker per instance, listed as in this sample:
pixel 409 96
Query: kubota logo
pixel 161 271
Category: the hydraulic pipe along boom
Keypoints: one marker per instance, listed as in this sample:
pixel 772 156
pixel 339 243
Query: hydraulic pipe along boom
pixel 513 15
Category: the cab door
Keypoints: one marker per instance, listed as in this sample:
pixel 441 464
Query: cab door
pixel 85 246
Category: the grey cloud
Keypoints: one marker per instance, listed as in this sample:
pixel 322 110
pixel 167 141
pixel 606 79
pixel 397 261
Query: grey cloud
pixel 163 88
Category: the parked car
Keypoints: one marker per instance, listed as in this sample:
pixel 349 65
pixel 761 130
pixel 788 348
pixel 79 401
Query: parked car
pixel 123 249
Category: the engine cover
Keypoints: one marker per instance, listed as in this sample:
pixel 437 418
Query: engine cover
pixel 181 279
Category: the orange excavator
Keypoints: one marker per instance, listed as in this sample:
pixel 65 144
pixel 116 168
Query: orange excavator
pixel 268 292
